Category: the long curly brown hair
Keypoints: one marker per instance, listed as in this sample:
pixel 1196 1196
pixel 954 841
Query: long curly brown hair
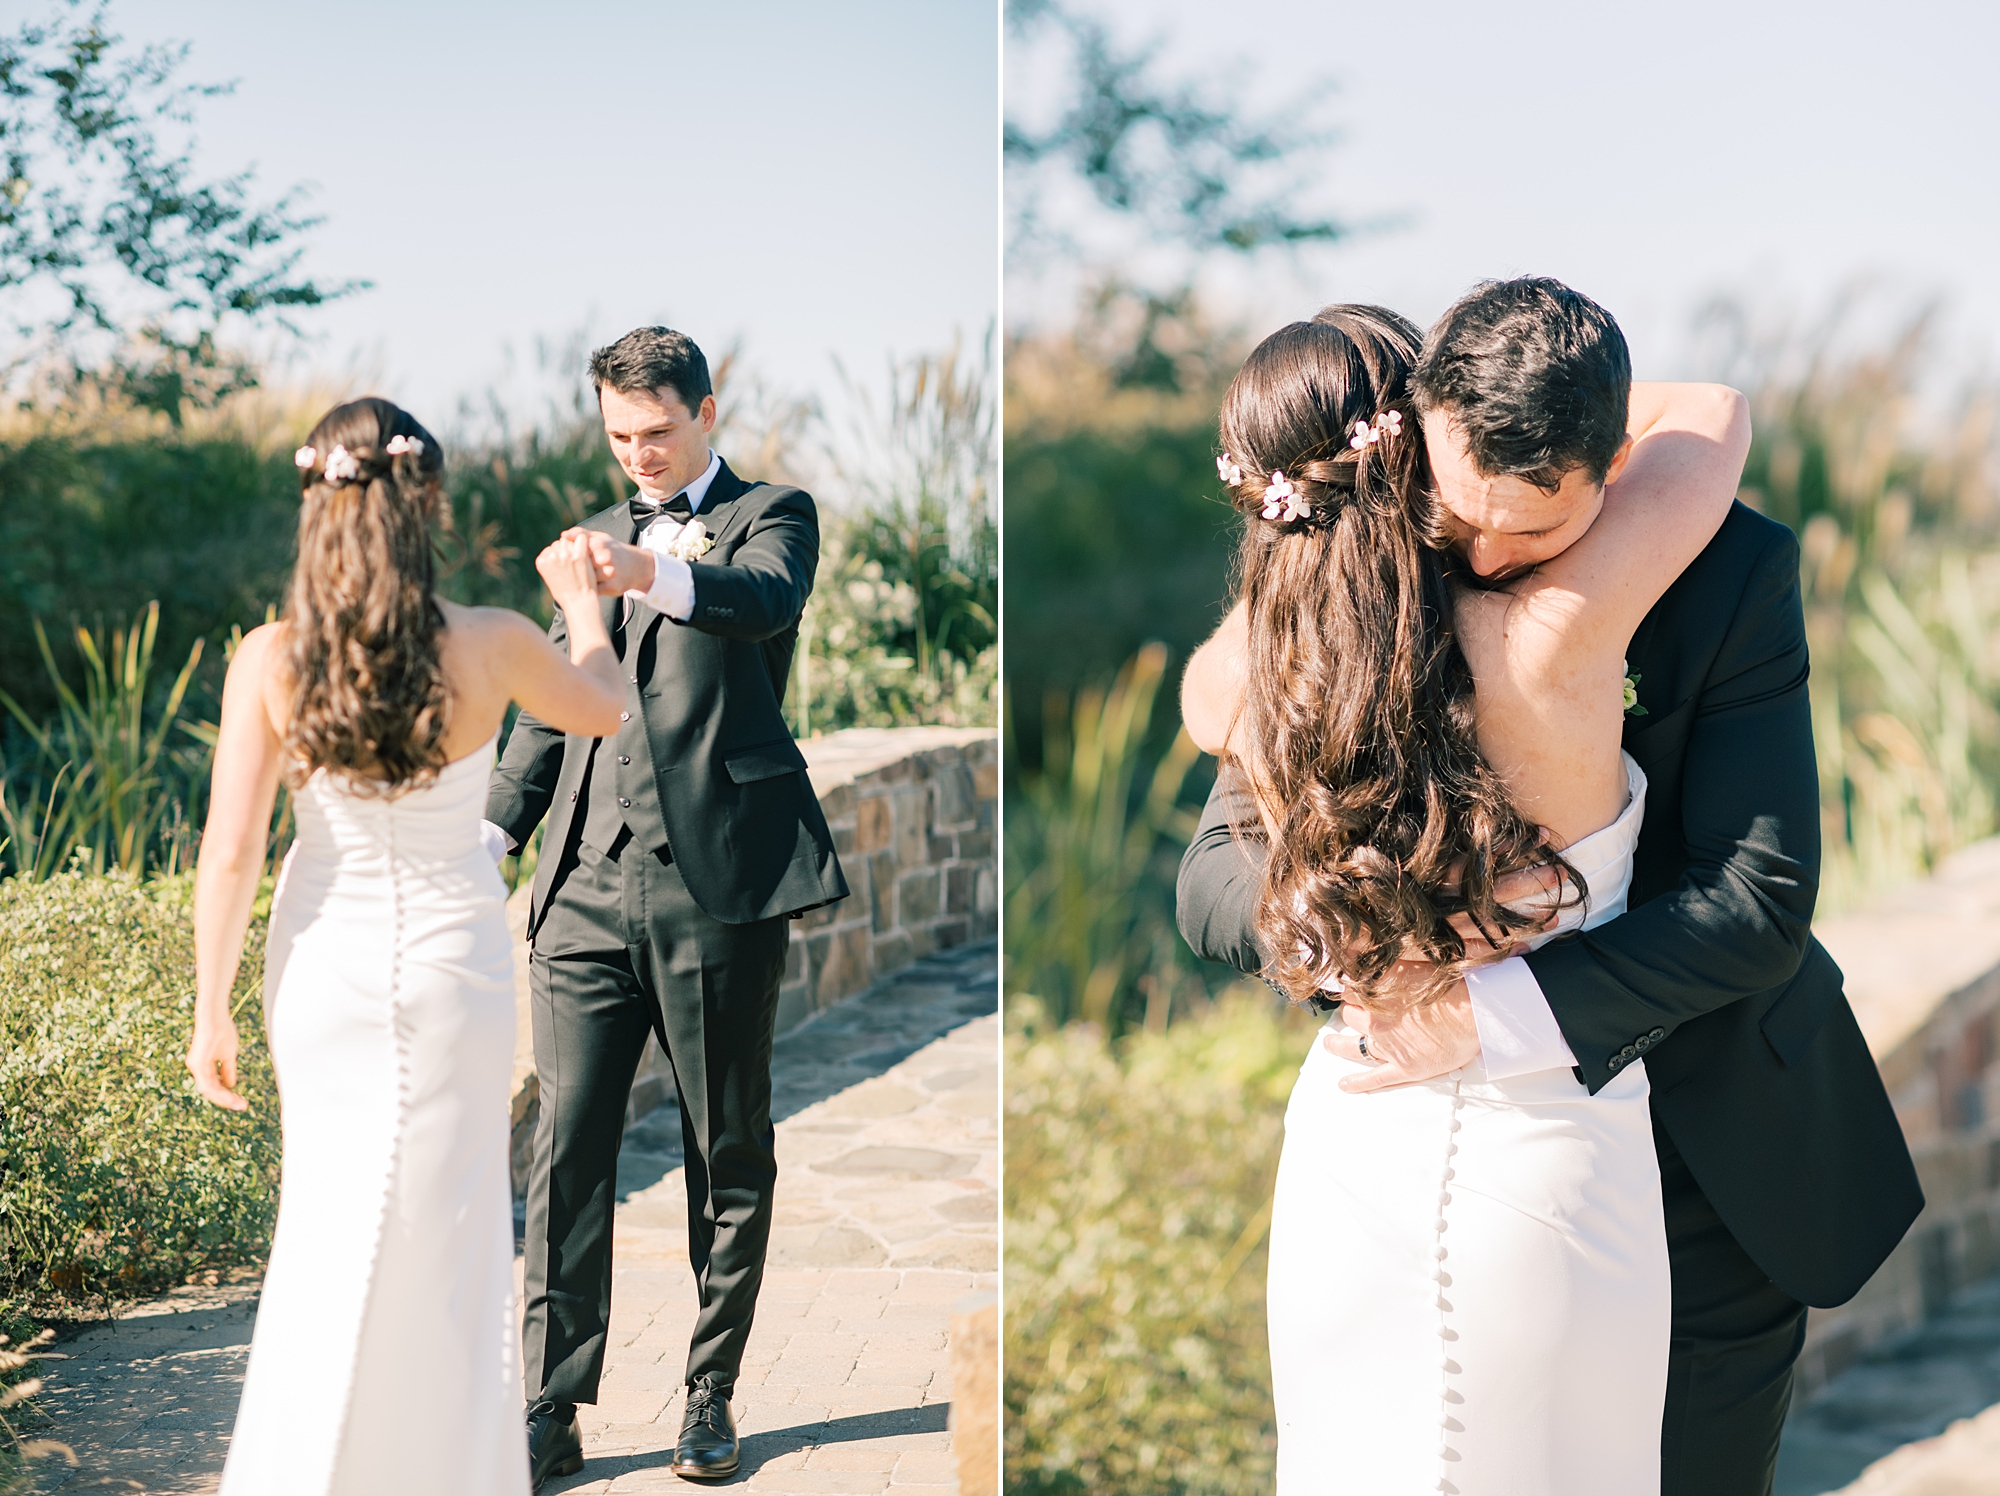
pixel 1360 740
pixel 369 699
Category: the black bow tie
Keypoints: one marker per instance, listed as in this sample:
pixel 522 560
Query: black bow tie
pixel 645 511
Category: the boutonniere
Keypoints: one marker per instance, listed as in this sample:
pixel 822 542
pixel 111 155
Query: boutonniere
pixel 692 543
pixel 1632 707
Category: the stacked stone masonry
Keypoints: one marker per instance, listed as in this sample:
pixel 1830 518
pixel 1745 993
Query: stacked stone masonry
pixel 1923 975
pixel 913 817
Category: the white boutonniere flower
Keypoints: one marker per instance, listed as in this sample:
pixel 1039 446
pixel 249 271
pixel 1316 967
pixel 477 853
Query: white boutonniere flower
pixel 1632 707
pixel 692 543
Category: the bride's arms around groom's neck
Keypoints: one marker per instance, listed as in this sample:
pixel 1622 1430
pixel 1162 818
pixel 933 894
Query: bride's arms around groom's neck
pixel 1674 490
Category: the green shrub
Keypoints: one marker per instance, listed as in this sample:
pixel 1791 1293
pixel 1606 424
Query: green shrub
pixel 114 1175
pixel 1138 1199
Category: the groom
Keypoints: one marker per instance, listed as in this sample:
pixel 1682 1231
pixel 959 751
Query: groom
pixel 674 853
pixel 1785 1175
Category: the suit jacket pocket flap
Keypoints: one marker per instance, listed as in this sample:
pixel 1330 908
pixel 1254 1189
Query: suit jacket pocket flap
pixel 1792 1022
pixel 765 761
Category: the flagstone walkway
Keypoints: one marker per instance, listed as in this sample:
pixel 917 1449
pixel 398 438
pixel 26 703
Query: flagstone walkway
pixel 887 1215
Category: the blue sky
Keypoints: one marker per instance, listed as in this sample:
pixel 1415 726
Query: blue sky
pixel 813 180
pixel 1650 155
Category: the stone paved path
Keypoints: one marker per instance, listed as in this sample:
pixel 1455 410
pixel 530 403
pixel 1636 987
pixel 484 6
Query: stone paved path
pixel 888 1149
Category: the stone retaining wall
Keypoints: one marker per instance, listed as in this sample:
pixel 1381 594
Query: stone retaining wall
pixel 912 811
pixel 1923 975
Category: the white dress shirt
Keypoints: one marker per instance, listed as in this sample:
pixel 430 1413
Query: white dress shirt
pixel 1518 1032
pixel 672 592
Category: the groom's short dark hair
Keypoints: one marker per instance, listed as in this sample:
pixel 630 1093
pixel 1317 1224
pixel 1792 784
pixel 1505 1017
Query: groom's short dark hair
pixel 653 359
pixel 1537 377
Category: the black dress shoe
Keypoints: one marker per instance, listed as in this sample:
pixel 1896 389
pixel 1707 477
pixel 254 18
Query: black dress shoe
pixel 707 1450
pixel 555 1447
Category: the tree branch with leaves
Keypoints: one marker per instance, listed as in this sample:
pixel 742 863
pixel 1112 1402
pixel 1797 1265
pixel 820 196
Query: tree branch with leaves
pixel 119 262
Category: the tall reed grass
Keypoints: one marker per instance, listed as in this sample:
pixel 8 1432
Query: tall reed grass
pixel 112 782
pixel 1091 845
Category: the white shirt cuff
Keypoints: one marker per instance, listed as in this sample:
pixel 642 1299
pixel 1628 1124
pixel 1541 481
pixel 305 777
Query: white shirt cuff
pixel 1518 1034
pixel 497 843
pixel 672 592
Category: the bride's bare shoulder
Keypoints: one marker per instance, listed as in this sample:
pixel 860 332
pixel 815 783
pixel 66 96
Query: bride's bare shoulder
pixel 486 630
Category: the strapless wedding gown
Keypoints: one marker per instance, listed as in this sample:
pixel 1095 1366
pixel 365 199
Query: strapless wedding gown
pixel 386 1354
pixel 1468 1280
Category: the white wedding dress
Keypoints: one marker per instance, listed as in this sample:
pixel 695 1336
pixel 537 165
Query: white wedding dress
pixel 1468 1281
pixel 386 1354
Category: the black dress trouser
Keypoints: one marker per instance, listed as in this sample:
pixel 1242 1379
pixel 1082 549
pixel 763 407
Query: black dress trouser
pixel 1735 1337
pixel 622 951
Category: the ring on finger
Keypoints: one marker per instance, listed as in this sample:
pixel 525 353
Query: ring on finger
pixel 1362 1044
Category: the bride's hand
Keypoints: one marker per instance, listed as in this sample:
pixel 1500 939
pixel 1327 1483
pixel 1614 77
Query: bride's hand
pixel 211 1059
pixel 568 570
pixel 1519 889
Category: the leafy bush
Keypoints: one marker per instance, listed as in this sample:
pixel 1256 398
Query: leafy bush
pixel 114 1175
pixel 1138 1188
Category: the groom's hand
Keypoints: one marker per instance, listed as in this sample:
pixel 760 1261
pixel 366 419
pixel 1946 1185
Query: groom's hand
pixel 1408 1044
pixel 621 568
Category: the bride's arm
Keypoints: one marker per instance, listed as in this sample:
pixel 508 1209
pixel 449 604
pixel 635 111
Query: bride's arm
pixel 583 693
pixel 242 788
pixel 1667 497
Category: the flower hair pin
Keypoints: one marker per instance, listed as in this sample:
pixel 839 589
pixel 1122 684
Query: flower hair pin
pixel 342 466
pixel 1366 434
pixel 305 457
pixel 1227 470
pixel 398 445
pixel 1283 502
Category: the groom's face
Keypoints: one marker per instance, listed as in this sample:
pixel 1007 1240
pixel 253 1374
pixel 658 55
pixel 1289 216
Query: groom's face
pixel 1505 525
pixel 658 441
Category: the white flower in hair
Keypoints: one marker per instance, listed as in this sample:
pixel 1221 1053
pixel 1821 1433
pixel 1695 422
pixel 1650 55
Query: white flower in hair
pixel 305 457
pixel 1283 502
pixel 1227 470
pixel 398 445
pixel 1366 434
pixel 342 465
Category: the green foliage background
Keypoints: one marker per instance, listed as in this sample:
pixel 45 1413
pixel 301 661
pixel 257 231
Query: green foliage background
pixel 1138 1197
pixel 114 1175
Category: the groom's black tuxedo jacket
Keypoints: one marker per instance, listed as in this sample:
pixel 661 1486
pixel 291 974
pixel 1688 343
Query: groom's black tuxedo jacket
pixel 1759 1072
pixel 711 769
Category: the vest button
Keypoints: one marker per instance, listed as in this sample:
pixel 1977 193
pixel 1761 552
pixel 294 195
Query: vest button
pixel 624 758
pixel 624 716
pixel 624 803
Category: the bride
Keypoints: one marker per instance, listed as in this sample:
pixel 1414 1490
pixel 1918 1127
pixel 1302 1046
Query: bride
pixel 385 1355
pixel 1469 1287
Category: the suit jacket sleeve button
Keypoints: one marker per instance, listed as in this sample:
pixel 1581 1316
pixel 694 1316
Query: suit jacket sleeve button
pixel 1657 1035
pixel 1615 1064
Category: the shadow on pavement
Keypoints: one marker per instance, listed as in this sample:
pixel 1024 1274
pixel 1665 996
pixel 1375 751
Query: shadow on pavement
pixel 850 1042
pixel 759 1449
